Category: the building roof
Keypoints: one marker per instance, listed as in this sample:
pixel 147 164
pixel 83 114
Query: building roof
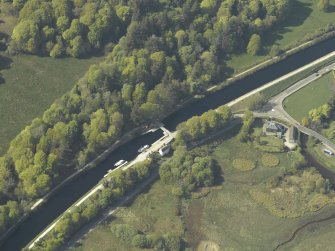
pixel 273 126
pixel 292 133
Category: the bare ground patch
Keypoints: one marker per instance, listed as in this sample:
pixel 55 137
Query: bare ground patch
pixel 208 246
pixel 193 218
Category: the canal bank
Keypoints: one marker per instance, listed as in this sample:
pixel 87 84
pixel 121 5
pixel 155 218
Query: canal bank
pixel 34 223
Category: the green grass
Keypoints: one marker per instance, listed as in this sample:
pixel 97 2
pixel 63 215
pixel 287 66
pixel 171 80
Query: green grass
pixel 312 96
pixel 305 18
pixel 270 144
pixel 31 85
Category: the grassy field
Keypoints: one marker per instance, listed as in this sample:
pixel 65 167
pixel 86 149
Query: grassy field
pixel 305 18
pixel 312 96
pixel 225 217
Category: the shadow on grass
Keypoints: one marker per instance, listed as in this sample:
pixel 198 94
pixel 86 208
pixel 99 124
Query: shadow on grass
pixel 331 9
pixel 4 38
pixel 2 80
pixel 5 62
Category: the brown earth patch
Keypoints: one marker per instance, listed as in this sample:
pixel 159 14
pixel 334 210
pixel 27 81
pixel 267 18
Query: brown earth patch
pixel 208 246
pixel 193 217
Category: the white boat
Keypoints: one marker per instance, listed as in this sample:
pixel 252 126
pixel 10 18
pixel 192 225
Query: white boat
pixel 143 148
pixel 120 163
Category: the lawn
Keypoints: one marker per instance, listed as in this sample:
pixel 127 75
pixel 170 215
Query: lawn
pixel 31 85
pixel 225 217
pixel 312 96
pixel 305 19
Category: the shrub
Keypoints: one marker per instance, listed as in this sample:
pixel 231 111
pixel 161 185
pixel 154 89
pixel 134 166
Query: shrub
pixel 270 160
pixel 244 164
pixel 124 232
pixel 140 241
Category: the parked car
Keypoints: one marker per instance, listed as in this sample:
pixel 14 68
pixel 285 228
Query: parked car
pixel 120 163
pixel 143 148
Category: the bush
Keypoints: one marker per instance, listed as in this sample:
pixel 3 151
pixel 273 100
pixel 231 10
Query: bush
pixel 244 164
pixel 270 160
pixel 124 232
pixel 140 241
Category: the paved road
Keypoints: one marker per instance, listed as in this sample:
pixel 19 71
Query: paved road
pixel 274 107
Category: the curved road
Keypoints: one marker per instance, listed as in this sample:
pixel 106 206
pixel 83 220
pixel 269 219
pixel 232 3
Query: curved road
pixel 274 107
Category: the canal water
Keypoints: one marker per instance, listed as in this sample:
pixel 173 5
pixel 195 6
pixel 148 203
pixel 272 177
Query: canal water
pixel 66 196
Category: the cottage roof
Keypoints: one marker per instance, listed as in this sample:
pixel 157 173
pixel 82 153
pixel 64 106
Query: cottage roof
pixel 272 126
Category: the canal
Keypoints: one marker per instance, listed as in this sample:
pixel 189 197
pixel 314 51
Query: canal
pixel 66 196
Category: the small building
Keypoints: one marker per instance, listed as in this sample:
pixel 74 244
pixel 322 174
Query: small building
pixel 273 128
pixel 292 135
pixel 165 150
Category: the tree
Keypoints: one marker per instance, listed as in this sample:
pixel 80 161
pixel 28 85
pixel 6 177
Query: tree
pixel 275 51
pixel 77 46
pixel 254 45
pixel 140 241
pixel 323 5
pixel 305 122
pixel 25 37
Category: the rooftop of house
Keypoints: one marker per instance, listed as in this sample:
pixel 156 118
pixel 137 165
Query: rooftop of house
pixel 271 125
